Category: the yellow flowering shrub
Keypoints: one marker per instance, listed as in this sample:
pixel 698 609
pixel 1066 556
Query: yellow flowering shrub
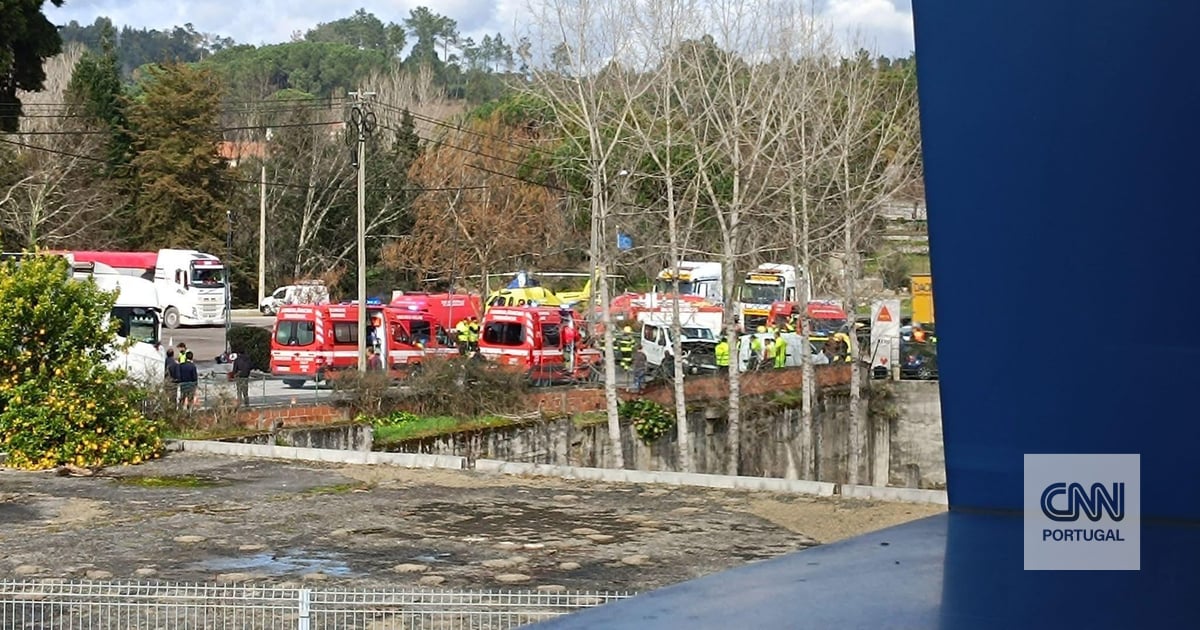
pixel 59 404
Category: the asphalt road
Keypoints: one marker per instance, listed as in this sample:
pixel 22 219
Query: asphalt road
pixel 207 343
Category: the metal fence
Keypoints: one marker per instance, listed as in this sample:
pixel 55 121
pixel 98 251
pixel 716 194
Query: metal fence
pixel 160 606
pixel 215 390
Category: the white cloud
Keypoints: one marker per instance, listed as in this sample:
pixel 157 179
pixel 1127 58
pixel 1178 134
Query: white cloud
pixel 882 24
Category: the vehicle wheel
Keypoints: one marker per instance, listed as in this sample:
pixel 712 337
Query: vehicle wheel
pixel 171 317
pixel 294 383
pixel 925 374
pixel 266 310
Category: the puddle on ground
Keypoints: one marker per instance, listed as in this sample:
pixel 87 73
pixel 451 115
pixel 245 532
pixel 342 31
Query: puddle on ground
pixel 434 557
pixel 276 564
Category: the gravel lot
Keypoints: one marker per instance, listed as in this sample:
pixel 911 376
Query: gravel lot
pixel 191 517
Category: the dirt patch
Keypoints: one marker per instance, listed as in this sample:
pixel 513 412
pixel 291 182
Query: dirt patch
pixel 831 520
pixel 276 522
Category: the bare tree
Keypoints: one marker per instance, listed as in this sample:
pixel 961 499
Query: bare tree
pixel 473 217
pixel 577 51
pixel 810 149
pixel 664 25
pixel 738 119
pixel 58 195
pixel 875 157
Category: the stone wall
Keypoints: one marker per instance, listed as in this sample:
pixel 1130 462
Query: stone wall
pixel 342 437
pixel 917 455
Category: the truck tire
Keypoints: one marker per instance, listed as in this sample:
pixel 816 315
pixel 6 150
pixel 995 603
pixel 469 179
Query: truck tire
pixel 294 383
pixel 171 317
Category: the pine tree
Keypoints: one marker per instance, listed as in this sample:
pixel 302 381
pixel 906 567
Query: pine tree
pixel 182 188
pixel 97 92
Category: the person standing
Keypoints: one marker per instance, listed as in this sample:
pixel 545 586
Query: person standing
pixel 722 355
pixel 756 350
pixel 189 380
pixel 625 348
pixel 242 366
pixel 780 352
pixel 639 369
pixel 374 363
pixel 568 347
pixel 171 377
pixel 473 334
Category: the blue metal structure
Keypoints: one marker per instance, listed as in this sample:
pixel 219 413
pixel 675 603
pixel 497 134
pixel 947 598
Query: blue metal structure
pixel 1061 157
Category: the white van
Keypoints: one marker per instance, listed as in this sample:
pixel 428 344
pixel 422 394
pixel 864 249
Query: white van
pixel 303 293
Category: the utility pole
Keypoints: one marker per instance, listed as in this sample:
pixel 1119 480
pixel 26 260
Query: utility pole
pixel 262 222
pixel 362 124
pixel 262 235
pixel 228 279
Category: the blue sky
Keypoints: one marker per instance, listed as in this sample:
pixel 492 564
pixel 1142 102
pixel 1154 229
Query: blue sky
pixel 885 23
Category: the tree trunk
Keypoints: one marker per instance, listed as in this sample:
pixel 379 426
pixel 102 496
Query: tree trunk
pixel 683 437
pixel 735 403
pixel 855 424
pixel 610 366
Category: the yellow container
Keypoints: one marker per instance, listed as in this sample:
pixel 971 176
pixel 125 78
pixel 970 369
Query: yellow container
pixel 922 298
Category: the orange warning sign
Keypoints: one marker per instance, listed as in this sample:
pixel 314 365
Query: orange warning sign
pixel 884 314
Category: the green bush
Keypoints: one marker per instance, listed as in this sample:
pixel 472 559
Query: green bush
pixel 59 404
pixel 894 270
pixel 253 341
pixel 650 420
pixel 392 419
pixel 464 388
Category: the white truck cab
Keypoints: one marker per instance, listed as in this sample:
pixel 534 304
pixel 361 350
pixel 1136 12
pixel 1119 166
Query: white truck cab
pixel 192 288
pixel 698 343
pixel 695 278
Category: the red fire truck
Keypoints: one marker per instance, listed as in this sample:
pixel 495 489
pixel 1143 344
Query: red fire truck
pixel 530 338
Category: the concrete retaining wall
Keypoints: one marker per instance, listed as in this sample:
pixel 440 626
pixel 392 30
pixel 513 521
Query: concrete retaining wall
pixel 918 459
pixel 345 437
pixel 769 439
pixel 272 451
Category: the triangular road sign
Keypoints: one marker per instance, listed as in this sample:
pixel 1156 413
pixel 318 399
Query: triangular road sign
pixel 884 314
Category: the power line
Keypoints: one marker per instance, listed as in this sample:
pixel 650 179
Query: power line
pixel 54 151
pixel 277 184
pixel 460 128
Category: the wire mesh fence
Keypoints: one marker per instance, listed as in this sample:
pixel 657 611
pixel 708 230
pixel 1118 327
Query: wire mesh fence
pixel 161 606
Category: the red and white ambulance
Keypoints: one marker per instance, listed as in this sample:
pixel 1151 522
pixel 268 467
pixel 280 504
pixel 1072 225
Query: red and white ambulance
pixel 414 335
pixel 530 338
pixel 309 341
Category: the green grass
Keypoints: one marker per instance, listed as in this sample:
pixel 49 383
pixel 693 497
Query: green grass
pixel 436 425
pixel 178 481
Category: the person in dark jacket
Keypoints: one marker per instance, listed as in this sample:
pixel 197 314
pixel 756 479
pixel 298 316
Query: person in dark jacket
pixel 242 367
pixel 189 379
pixel 171 382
